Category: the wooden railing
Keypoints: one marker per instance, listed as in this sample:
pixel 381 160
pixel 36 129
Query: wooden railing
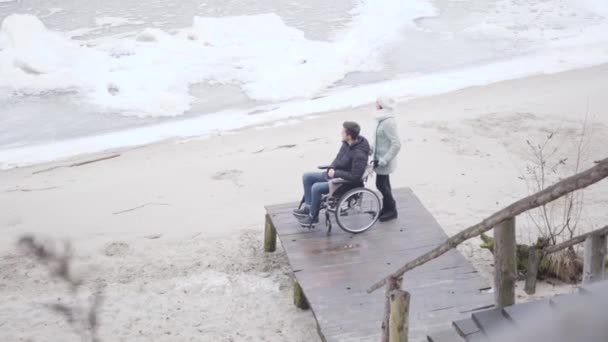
pixel 395 321
pixel 593 264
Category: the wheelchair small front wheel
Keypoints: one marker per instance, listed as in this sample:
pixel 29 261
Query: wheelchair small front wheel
pixel 358 210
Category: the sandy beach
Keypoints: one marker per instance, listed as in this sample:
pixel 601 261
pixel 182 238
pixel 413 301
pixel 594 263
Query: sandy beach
pixel 173 230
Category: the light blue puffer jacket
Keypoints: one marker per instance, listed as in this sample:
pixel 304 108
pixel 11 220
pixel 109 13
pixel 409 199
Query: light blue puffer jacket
pixel 386 142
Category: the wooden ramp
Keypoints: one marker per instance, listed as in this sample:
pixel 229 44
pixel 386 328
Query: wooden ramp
pixel 335 271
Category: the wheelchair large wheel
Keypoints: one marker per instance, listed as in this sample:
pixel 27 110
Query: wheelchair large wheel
pixel 358 210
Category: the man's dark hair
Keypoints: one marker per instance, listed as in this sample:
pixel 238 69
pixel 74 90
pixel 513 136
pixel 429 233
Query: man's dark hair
pixel 352 128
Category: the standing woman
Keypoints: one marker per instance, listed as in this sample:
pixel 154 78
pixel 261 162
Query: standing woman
pixel 387 145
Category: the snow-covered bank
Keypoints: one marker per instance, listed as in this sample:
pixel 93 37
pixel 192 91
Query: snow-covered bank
pixel 150 74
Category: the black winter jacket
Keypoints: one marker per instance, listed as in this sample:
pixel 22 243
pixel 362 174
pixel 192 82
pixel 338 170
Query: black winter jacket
pixel 351 161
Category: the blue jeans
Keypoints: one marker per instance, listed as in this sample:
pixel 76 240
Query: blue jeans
pixel 315 186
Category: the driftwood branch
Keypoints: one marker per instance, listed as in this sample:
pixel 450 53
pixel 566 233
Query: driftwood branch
pixel 90 161
pixel 19 189
pixel 566 186
pixel 139 207
pixel 575 241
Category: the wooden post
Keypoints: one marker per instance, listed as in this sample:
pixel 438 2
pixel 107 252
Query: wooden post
pixel 595 254
pixel 399 317
pixel 392 285
pixel 534 256
pixel 270 236
pixel 505 263
pixel 299 299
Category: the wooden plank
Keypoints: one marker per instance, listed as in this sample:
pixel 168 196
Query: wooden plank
pixel 423 308
pixel 466 327
pixel 448 335
pixel 477 337
pixel 313 255
pixel 353 277
pixel 492 322
pixel 392 239
pixel 523 313
pixel 334 271
pixel 290 225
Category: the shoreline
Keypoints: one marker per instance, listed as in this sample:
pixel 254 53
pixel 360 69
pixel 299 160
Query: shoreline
pixel 227 121
pixel 187 214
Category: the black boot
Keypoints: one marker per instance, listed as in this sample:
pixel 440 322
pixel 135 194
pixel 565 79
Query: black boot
pixel 390 213
pixel 384 206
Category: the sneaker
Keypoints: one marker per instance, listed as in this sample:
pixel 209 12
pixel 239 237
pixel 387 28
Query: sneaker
pixel 308 221
pixel 301 212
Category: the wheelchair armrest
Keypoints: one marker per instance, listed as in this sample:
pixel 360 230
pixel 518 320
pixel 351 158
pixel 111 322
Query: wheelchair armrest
pixel 342 182
pixel 324 167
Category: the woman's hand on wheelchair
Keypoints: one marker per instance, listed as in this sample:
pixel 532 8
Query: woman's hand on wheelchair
pixel 379 163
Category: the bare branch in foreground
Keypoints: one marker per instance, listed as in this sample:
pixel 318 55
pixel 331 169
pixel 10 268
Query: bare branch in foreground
pixel 82 315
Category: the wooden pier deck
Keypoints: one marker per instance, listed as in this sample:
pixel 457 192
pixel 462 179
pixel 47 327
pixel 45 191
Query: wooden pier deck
pixel 335 271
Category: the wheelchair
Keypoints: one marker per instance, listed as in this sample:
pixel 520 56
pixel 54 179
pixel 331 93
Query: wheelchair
pixel 355 208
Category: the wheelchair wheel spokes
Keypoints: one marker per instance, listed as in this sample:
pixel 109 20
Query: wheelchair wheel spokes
pixel 358 210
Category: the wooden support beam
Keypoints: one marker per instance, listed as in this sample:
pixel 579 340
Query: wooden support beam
pixel 399 317
pixel 534 256
pixel 505 263
pixel 595 254
pixel 270 236
pixel 299 299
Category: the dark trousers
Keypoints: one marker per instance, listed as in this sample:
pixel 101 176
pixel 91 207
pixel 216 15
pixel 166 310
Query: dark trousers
pixel 383 184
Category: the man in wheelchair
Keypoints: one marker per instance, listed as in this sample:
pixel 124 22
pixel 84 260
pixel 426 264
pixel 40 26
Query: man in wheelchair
pixel 348 167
